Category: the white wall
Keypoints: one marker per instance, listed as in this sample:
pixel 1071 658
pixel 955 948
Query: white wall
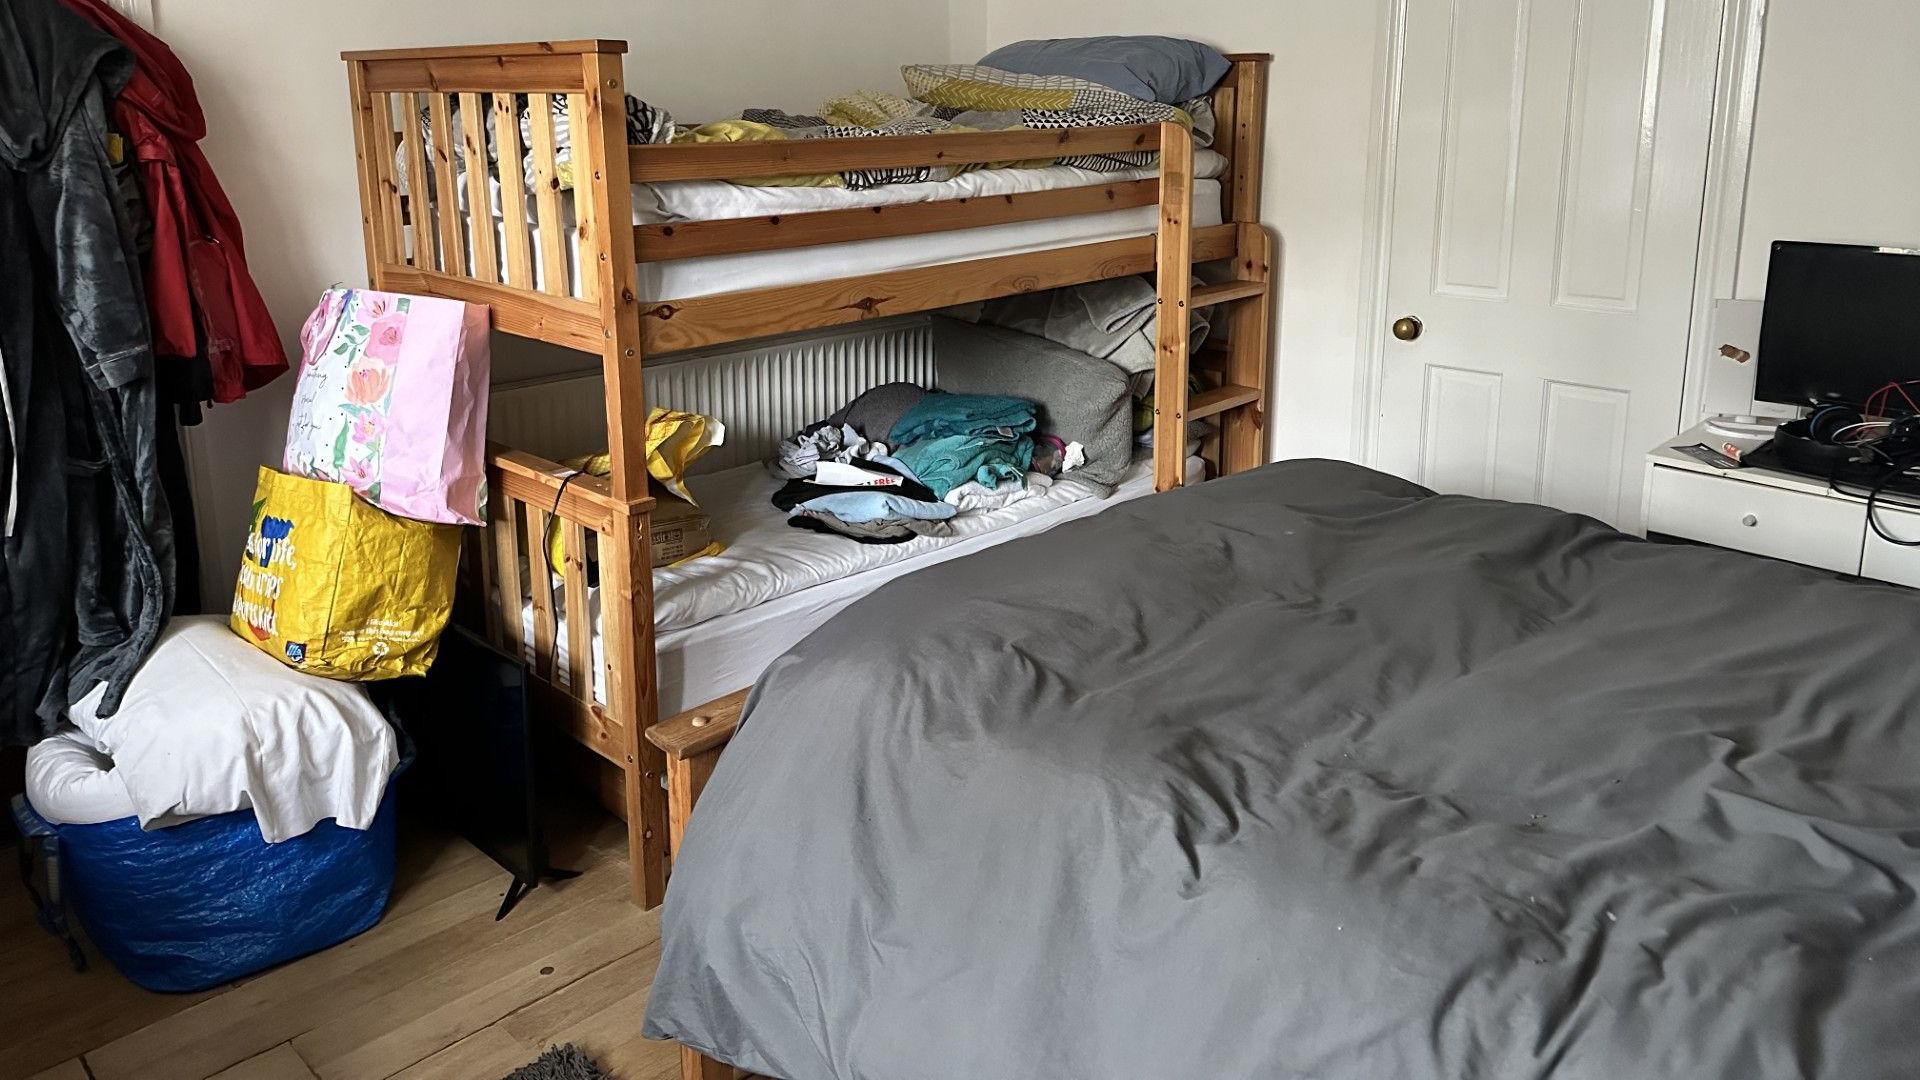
pixel 1836 138
pixel 1836 145
pixel 1320 108
pixel 271 82
pixel 1835 157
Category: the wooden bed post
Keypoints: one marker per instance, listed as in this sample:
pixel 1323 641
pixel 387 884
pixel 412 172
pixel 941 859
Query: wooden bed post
pixel 1233 390
pixel 692 743
pixel 1173 274
pixel 1249 325
pixel 607 276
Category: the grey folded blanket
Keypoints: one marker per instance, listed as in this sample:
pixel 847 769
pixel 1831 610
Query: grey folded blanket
pixel 1114 320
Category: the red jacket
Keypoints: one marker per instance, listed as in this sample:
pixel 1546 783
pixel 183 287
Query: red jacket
pixel 197 272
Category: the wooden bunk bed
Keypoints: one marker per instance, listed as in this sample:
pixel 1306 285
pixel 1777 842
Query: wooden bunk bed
pixel 421 246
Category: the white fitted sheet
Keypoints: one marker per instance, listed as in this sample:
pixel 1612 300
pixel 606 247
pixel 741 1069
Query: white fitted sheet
pixel 713 200
pixel 711 274
pixel 721 620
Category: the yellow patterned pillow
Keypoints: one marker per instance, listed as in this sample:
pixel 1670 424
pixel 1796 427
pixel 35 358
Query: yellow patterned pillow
pixel 866 108
pixel 968 86
pixel 985 89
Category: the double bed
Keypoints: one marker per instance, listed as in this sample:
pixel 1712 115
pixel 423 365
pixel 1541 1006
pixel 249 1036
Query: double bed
pixel 1311 772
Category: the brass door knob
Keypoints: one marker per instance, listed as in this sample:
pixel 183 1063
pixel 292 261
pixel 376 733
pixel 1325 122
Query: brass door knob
pixel 1408 328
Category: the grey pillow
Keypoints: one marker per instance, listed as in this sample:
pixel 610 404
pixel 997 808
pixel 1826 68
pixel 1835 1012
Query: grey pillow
pixel 1082 398
pixel 1164 69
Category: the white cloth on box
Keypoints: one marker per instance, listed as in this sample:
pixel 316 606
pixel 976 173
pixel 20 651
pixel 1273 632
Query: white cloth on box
pixel 212 724
pixel 70 782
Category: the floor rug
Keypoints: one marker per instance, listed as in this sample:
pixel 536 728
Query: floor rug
pixel 561 1063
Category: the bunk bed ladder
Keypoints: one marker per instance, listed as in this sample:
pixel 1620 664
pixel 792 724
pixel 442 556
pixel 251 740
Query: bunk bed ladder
pixel 1224 384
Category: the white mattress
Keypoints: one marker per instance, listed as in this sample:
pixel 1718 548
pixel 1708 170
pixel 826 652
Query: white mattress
pixel 721 620
pixel 711 200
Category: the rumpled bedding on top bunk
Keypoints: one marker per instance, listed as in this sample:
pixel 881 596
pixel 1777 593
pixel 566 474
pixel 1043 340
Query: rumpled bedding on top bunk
pixel 950 98
pixel 715 200
pixel 947 98
pixel 1310 772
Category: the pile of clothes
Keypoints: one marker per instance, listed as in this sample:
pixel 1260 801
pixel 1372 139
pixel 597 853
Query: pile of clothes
pixel 901 461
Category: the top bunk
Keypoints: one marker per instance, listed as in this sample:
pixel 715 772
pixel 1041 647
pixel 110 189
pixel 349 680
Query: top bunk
pixel 630 249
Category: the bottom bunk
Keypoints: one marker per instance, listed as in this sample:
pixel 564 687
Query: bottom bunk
pixel 719 621
pixel 990 434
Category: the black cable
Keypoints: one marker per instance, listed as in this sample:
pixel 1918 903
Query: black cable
pixel 1893 473
pixel 546 549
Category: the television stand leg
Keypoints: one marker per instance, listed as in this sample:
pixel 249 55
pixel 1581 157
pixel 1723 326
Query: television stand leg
pixel 520 887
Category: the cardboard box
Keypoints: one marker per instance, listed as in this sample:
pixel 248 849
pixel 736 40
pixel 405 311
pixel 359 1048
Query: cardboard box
pixel 677 529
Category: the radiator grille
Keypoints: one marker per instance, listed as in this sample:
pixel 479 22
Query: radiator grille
pixel 762 394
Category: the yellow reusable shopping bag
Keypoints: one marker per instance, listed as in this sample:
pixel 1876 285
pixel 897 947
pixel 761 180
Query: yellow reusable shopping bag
pixel 334 586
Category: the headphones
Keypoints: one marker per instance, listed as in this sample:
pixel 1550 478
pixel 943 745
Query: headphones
pixel 1827 421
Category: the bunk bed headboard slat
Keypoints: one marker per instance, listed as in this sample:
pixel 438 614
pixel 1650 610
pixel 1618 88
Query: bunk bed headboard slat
pixel 387 184
pixel 453 248
pixel 422 253
pixel 540 578
pixel 574 596
pixel 473 139
pixel 546 197
pixel 513 192
pixel 580 119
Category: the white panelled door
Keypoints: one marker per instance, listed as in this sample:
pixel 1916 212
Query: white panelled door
pixel 1550 166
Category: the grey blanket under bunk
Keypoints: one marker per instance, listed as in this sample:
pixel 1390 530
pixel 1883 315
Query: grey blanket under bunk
pixel 1310 772
pixel 1114 320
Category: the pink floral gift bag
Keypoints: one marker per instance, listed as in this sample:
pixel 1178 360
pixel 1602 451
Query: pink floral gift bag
pixel 392 402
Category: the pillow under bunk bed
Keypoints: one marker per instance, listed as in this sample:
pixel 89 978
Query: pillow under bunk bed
pixel 1082 399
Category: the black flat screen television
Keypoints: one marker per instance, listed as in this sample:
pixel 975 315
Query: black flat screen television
pixel 471 718
pixel 1841 321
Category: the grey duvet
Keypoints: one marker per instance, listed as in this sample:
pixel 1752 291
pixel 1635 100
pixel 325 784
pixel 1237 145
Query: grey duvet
pixel 1312 773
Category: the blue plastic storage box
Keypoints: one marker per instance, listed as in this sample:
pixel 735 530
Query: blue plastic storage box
pixel 200 904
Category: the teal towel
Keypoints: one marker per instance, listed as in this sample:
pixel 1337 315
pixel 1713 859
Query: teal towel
pixel 938 416
pixel 950 462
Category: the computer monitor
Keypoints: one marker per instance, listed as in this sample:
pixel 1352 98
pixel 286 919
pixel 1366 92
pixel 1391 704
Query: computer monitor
pixel 1841 321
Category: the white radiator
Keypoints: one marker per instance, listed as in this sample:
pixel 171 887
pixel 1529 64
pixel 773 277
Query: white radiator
pixel 762 394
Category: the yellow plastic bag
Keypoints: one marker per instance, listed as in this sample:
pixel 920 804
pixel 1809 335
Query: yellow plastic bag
pixel 675 440
pixel 334 586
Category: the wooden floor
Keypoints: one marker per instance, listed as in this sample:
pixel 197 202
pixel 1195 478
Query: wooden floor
pixel 437 989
